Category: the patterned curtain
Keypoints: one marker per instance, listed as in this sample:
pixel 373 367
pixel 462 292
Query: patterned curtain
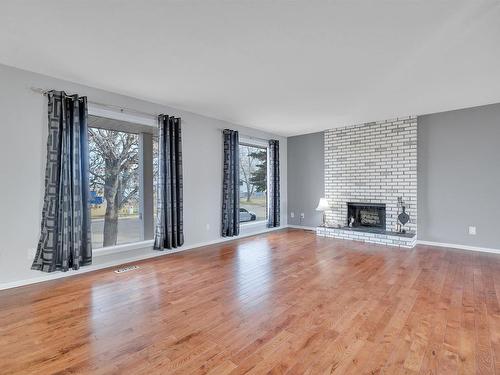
pixel 274 184
pixel 169 232
pixel 231 185
pixel 65 240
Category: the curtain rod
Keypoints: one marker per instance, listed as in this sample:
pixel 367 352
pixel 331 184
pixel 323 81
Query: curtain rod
pixel 131 110
pixel 110 106
pixel 243 135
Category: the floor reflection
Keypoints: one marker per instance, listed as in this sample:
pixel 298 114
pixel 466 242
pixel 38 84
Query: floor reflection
pixel 121 307
pixel 253 273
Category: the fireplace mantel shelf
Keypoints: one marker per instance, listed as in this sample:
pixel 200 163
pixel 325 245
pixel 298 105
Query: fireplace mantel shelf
pixel 406 240
pixel 373 231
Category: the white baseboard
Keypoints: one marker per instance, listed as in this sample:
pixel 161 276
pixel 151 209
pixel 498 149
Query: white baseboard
pixel 460 247
pixel 150 254
pixel 154 254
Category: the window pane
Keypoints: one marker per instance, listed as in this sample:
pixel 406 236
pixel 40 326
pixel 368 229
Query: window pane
pixel 253 183
pixel 114 187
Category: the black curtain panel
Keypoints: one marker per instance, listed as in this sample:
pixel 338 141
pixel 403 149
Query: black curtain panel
pixel 169 232
pixel 274 184
pixel 231 185
pixel 65 239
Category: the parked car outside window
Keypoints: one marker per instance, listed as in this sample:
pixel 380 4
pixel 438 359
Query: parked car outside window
pixel 246 215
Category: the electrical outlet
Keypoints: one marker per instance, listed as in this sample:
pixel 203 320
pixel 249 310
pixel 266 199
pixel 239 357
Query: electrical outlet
pixel 292 214
pixel 207 227
pixel 302 216
pixel 472 231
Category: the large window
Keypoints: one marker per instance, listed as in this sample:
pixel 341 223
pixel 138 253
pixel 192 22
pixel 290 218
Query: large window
pixel 121 181
pixel 253 182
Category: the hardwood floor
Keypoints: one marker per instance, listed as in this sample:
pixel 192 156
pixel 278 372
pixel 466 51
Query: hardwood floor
pixel 285 302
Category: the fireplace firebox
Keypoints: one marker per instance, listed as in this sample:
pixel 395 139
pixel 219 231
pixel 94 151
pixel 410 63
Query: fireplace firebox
pixel 370 216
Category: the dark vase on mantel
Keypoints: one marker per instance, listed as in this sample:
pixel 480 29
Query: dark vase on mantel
pixel 404 217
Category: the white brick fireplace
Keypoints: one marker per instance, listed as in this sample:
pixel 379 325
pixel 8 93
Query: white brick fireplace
pixel 372 163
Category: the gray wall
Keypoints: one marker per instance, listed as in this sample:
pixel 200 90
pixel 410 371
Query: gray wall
pixel 459 176
pixel 306 178
pixel 23 119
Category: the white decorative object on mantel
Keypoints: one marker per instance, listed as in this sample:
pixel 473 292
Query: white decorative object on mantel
pixel 351 222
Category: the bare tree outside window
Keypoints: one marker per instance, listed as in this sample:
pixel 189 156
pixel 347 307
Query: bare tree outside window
pixel 253 183
pixel 114 186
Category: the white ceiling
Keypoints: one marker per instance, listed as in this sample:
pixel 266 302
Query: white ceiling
pixel 288 67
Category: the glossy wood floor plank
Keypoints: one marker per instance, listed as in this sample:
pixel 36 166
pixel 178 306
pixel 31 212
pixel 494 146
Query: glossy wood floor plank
pixel 286 302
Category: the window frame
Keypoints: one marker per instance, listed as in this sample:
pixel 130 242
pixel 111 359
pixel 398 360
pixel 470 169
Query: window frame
pixel 263 144
pixel 102 111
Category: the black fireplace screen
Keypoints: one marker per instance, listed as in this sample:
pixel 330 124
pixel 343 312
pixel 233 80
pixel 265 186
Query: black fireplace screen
pixel 366 215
